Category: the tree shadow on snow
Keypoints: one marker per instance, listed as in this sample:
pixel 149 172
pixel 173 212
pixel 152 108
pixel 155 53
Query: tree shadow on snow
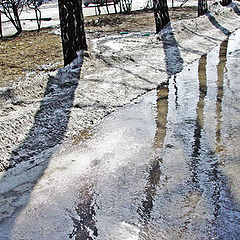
pixel 217 25
pixel 47 132
pixel 173 59
pixel 235 8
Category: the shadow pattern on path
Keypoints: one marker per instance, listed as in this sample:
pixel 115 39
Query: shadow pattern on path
pixel 174 65
pixel 207 180
pixel 235 8
pixel 46 134
pixel 216 24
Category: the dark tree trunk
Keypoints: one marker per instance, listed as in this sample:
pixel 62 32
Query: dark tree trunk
pixel 72 29
pixel 38 17
pixel 202 7
pixel 161 14
pixel 17 21
pixel 225 2
pixel 1 35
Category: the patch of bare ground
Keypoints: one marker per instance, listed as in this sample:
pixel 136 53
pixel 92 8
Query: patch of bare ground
pixel 136 21
pixel 26 52
pixel 30 50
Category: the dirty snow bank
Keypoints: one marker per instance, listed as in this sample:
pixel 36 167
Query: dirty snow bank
pixel 44 109
pixel 32 124
pixel 132 64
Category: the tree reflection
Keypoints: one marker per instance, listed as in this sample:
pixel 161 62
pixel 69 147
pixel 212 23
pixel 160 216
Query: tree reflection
pixel 202 77
pixel 220 73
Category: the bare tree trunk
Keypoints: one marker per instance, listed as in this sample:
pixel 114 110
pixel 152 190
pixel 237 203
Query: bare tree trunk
pixel 35 4
pixel 72 29
pixel 161 14
pixel 107 6
pixel 18 25
pixel 38 17
pixel 202 7
pixel 12 10
pixel 120 6
pixel 115 8
pixel 1 34
pixel 225 2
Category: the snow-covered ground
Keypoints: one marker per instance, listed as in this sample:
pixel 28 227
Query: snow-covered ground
pixel 111 186
pixel 46 111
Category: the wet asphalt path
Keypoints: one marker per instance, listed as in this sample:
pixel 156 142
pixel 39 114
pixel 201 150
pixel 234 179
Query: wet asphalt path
pixel 164 167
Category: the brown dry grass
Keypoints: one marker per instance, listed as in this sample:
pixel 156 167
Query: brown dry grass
pixel 22 54
pixel 134 22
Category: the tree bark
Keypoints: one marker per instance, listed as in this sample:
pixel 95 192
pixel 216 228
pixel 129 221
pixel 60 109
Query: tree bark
pixel 202 7
pixel 1 34
pixel 38 17
pixel 161 14
pixel 15 10
pixel 225 2
pixel 72 29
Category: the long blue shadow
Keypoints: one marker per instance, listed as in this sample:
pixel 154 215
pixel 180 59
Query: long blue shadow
pixel 235 8
pixel 47 132
pixel 216 24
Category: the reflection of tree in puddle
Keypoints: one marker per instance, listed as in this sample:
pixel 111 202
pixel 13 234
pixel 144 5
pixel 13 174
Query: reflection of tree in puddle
pixel 202 76
pixel 220 73
pixel 161 119
pixel 193 192
pixel 174 65
pixel 205 200
pixel 200 119
pixel 155 165
pixel 220 183
pixel 204 166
